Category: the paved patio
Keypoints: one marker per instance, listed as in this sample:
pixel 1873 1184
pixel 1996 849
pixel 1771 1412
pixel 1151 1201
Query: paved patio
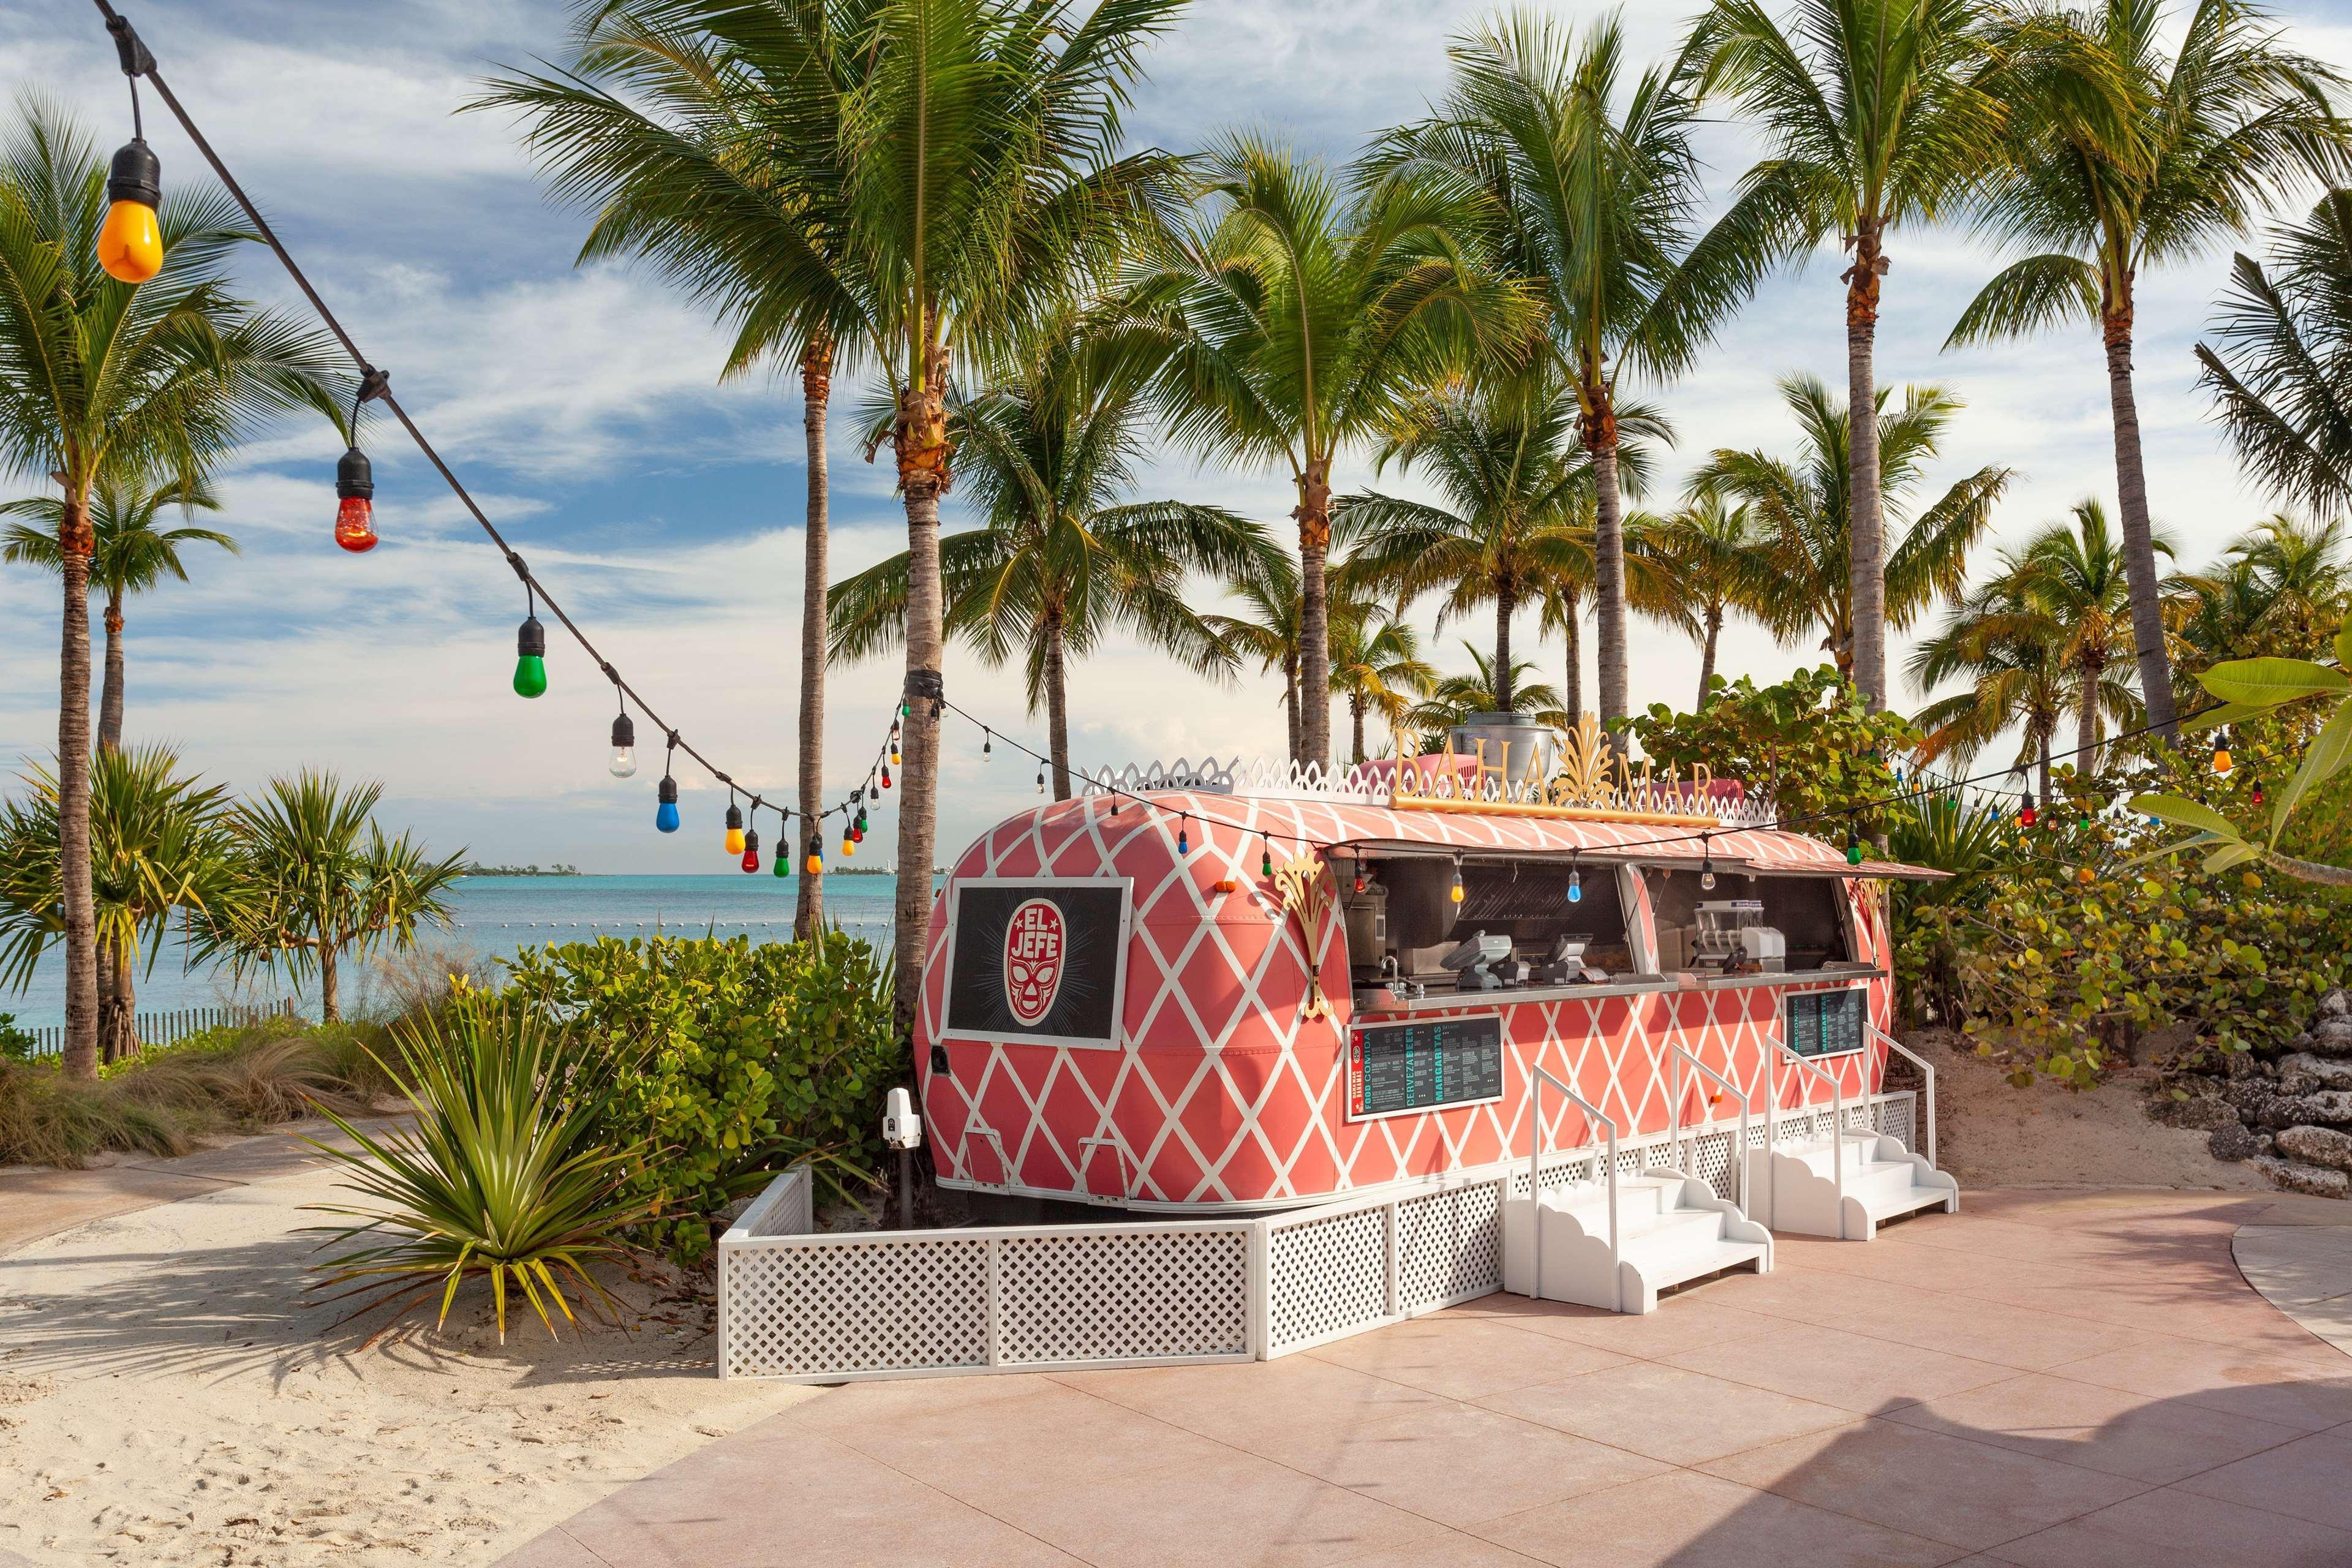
pixel 2049 1381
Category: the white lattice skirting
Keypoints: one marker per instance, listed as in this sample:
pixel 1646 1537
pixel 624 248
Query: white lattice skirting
pixel 809 1308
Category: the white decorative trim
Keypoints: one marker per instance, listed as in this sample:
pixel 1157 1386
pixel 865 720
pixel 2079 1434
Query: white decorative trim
pixel 1370 785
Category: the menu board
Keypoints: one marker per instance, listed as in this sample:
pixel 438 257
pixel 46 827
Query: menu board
pixel 1398 1067
pixel 1824 1023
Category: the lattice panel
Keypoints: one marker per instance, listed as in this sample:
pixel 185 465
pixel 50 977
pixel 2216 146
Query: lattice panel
pixel 1558 1172
pixel 1133 1296
pixel 1711 1162
pixel 895 1306
pixel 1328 1276
pixel 1449 1245
pixel 1895 1120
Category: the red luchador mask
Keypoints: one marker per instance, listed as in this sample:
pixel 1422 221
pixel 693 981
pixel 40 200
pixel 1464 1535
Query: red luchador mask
pixel 1035 943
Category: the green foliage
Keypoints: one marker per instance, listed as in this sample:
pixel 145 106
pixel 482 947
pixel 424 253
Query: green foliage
pixel 743 1059
pixel 2064 970
pixel 509 1172
pixel 1977 842
pixel 16 1045
pixel 1811 744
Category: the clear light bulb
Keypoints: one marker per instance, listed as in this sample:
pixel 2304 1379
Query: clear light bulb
pixel 1706 879
pixel 625 761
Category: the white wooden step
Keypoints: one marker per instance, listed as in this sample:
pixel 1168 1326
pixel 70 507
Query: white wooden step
pixel 1670 1228
pixel 1843 1187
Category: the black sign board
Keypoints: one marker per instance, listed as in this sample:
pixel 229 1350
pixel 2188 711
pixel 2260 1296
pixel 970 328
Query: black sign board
pixel 1037 961
pixel 1397 1068
pixel 1823 1023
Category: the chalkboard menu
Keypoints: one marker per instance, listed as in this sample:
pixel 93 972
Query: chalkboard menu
pixel 1397 1068
pixel 1824 1023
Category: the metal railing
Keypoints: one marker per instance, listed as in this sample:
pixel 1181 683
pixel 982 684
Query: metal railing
pixel 170 1028
pixel 1837 1120
pixel 1925 1066
pixel 1675 1125
pixel 1536 1078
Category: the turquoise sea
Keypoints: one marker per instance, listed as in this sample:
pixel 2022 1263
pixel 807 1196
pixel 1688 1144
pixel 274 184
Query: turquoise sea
pixel 495 917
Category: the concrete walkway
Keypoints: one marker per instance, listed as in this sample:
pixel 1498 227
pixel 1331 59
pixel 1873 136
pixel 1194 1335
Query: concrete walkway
pixel 2303 1270
pixel 2041 1380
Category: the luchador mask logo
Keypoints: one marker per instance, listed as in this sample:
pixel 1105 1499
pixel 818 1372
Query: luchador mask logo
pixel 1033 949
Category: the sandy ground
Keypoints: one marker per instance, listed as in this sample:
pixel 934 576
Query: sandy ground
pixel 167 1396
pixel 1992 1134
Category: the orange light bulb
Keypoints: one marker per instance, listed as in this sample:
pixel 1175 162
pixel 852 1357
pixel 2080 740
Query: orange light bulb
pixel 355 525
pixel 130 243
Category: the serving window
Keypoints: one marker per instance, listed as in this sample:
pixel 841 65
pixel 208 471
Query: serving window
pixel 1806 914
pixel 1526 902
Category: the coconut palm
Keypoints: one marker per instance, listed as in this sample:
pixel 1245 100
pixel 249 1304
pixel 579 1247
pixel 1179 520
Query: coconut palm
pixel 2276 367
pixel 1593 193
pixel 149 383
pixel 2067 596
pixel 1719 567
pixel 1267 631
pixel 2016 678
pixel 1874 116
pixel 1376 664
pixel 706 136
pixel 2218 121
pixel 1802 515
pixel 2282 590
pixel 1291 319
pixel 1061 559
pixel 158 844
pixel 131 555
pixel 1453 698
pixel 1504 458
pixel 319 879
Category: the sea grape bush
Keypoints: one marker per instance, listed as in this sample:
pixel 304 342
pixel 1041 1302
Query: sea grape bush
pixel 739 1060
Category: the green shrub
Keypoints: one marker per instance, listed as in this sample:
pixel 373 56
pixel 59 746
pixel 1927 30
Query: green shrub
pixel 744 1060
pixel 16 1045
pixel 509 1173
pixel 48 1119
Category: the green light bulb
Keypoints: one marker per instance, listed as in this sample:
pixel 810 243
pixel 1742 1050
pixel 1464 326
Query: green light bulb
pixel 530 676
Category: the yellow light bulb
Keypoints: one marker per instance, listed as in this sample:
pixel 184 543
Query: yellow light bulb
pixel 734 841
pixel 2221 764
pixel 129 244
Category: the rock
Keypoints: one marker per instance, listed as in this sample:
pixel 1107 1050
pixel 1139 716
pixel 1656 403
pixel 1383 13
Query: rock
pixel 2204 1111
pixel 2318 1146
pixel 2230 1142
pixel 2337 1004
pixel 2265 1143
pixel 2329 1037
pixel 2246 1093
pixel 2295 1176
pixel 2242 1066
pixel 2331 1106
pixel 2276 1110
pixel 2328 1074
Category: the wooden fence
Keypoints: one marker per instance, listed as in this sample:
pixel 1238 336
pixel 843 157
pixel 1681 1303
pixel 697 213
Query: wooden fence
pixel 170 1028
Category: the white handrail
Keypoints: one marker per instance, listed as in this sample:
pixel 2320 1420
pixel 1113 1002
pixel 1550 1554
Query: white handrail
pixel 1536 1078
pixel 1675 1126
pixel 1837 1120
pixel 1925 1067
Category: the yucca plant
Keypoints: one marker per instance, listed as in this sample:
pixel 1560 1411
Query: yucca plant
pixel 504 1174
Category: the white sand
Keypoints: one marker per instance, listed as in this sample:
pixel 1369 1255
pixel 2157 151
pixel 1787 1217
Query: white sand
pixel 167 1397
pixel 1993 1134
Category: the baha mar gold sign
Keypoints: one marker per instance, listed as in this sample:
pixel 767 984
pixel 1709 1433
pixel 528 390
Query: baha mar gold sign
pixel 1589 780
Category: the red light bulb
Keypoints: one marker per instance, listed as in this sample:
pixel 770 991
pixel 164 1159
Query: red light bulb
pixel 355 525
pixel 750 859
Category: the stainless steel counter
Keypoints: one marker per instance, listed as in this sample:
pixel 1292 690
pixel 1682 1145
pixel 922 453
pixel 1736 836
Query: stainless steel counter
pixel 1632 985
pixel 1790 977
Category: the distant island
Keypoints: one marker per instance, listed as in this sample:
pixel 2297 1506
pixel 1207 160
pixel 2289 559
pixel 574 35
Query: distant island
pixel 558 869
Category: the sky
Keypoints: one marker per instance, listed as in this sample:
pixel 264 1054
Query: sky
pixel 584 407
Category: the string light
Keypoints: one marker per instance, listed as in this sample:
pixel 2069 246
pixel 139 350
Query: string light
pixel 531 655
pixel 750 849
pixel 665 813
pixel 1041 778
pixel 356 501
pixel 1706 866
pixel 2025 812
pixel 2257 796
pixel 1184 845
pixel 734 824
pixel 1853 845
pixel 131 242
pixel 624 746
pixel 1454 892
pixel 1575 876
pixel 987 741
pixel 816 862
pixel 2221 764
pixel 1265 857
pixel 783 866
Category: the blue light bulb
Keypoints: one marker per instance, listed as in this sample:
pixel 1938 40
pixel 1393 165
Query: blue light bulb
pixel 1576 887
pixel 665 814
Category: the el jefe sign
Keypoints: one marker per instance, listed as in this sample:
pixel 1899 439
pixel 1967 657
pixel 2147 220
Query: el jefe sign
pixel 1037 959
pixel 1033 944
pixel 1591 780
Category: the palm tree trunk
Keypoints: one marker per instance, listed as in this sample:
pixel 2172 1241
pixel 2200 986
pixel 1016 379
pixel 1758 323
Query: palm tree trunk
pixel 2086 724
pixel 1706 655
pixel 1608 557
pixel 816 392
pixel 331 1005
pixel 118 1008
pixel 1505 603
pixel 2042 770
pixel 1868 546
pixel 73 798
pixel 1314 518
pixel 1290 701
pixel 2139 538
pixel 1573 691
pixel 1356 722
pixel 1057 703
pixel 110 695
pixel 919 437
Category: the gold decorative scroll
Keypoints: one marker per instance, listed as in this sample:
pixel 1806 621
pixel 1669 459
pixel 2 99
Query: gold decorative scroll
pixel 1306 897
pixel 1593 781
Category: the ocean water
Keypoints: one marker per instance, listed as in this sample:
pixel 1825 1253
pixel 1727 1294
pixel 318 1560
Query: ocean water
pixel 496 917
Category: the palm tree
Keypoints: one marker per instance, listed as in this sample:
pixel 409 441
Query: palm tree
pixel 1292 320
pixel 1802 515
pixel 2277 375
pixel 318 880
pixel 2066 595
pixel 1060 559
pixel 1376 664
pixel 150 382
pixel 1267 631
pixel 1874 116
pixel 2017 677
pixel 1453 698
pixel 1718 566
pixel 706 135
pixel 2227 121
pixel 1593 191
pixel 159 844
pixel 1503 456
pixel 2282 590
pixel 131 555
